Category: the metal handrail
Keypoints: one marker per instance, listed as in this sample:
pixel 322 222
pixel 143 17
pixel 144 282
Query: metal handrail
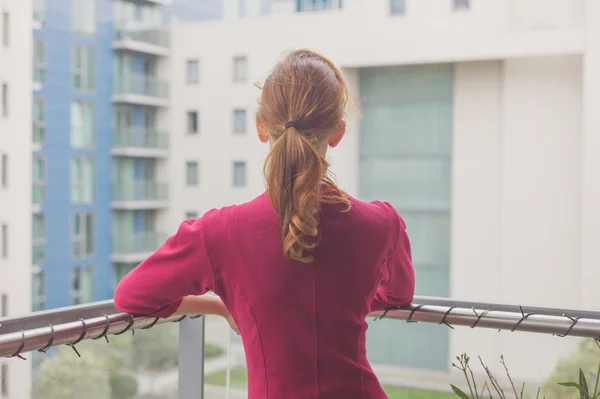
pixel 68 325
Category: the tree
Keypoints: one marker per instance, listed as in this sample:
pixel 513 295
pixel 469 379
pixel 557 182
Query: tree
pixel 156 349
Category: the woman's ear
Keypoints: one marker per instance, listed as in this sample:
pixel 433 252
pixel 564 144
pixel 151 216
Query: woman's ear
pixel 337 136
pixel 263 136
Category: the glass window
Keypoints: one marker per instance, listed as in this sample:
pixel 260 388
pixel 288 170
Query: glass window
pixel 84 68
pixel 193 71
pixel 38 290
pixel 192 122
pixel 191 215
pixel 39 239
pixel 82 235
pixel 82 180
pixel 83 17
pixel 39 120
pixel 239 121
pixel 461 4
pixel 5 99
pixel 121 270
pixel 39 180
pixel 83 124
pixel 239 174
pixel 241 8
pixel 4 246
pixel 397 7
pixel 39 61
pixel 4 167
pixel 82 286
pixel 5 29
pixel 240 69
pixel 39 11
pixel 192 173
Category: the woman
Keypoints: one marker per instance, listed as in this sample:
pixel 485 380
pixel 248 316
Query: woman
pixel 297 269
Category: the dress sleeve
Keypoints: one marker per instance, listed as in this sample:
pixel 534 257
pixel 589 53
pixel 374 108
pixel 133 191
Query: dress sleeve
pixel 180 267
pixel 397 285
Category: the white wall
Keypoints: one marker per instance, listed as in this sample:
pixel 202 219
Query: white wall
pixel 516 199
pixel 15 200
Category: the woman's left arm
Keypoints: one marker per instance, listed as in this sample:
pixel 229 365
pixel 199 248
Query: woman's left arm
pixel 179 269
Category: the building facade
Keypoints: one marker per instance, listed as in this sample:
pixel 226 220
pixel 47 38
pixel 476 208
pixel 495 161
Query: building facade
pixel 100 140
pixel 478 126
pixel 15 185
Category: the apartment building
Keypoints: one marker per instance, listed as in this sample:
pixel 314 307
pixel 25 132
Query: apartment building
pixel 15 184
pixel 478 127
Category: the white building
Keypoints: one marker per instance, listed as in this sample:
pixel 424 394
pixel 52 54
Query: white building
pixel 479 126
pixel 15 181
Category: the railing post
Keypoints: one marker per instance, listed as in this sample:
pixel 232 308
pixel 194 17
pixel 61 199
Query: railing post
pixel 191 358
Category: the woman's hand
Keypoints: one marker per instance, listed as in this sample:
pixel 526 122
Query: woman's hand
pixel 205 305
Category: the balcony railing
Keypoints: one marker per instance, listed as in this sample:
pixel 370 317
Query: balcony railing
pixel 70 326
pixel 136 137
pixel 156 36
pixel 141 85
pixel 143 242
pixel 146 190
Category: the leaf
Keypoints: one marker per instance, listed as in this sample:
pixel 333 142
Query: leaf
pixel 585 394
pixel 460 393
pixel 571 384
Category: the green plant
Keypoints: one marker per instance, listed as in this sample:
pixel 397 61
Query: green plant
pixel 123 386
pixel 212 350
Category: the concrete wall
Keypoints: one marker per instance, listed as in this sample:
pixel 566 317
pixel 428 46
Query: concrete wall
pixel 15 199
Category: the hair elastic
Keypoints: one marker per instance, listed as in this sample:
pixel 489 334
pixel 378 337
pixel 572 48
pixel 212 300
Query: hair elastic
pixel 290 124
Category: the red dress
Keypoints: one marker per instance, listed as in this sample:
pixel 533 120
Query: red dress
pixel 302 325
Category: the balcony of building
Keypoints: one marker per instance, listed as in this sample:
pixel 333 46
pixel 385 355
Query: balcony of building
pixel 140 194
pixel 140 89
pixel 130 36
pixel 141 142
pixel 135 247
pixel 196 369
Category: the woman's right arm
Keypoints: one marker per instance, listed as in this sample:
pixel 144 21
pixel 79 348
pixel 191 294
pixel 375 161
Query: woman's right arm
pixel 397 286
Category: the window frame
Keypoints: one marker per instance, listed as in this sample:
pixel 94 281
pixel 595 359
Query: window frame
pixel 235 183
pixel 87 81
pixel 39 123
pixel 397 8
pixel 85 242
pixel 235 129
pixel 459 5
pixel 38 302
pixel 4 242
pixel 6 25
pixel 38 241
pixel 40 65
pixel 80 183
pixel 196 180
pixel 87 110
pixel 42 182
pixel 189 77
pixel 4 178
pixel 5 100
pixel 79 20
pixel 191 215
pixel 237 78
pixel 78 274
pixel 193 130
pixel 4 379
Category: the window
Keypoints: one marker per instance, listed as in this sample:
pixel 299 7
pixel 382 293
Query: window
pixel 82 285
pixel 38 252
pixel 82 180
pixel 84 68
pixel 39 120
pixel 241 8
pixel 40 61
pixel 4 380
pixel 39 11
pixel 193 71
pixel 83 17
pixel 397 7
pixel 240 69
pixel 192 122
pixel 4 246
pixel 83 124
pixel 82 235
pixel 121 270
pixel 4 306
pixel 5 99
pixel 239 174
pixel 192 173
pixel 39 180
pixel 239 121
pixel 38 291
pixel 191 215
pixel 5 29
pixel 461 4
pixel 4 170
pixel 316 5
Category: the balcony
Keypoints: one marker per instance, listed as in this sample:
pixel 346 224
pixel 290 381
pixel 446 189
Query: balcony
pixel 140 39
pixel 74 326
pixel 138 195
pixel 132 248
pixel 140 142
pixel 141 89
